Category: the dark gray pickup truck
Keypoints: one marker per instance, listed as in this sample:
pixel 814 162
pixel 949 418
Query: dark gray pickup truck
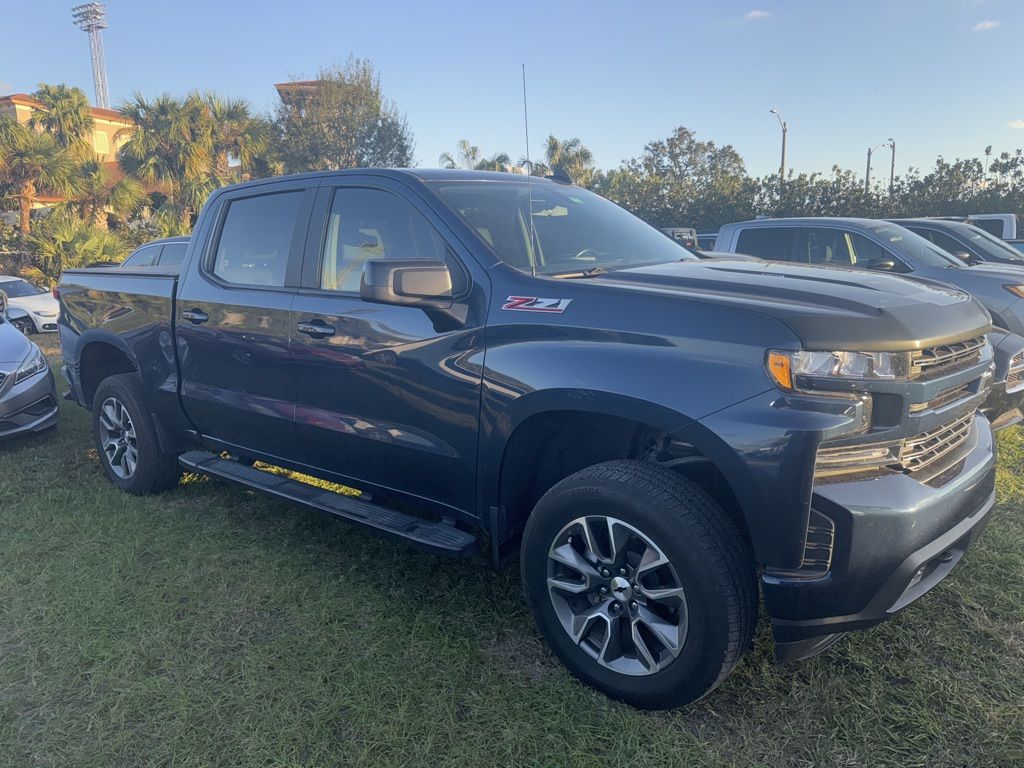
pixel 518 363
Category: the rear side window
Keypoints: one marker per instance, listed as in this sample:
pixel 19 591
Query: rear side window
pixel 369 224
pixel 774 243
pixel 173 254
pixel 256 238
pixel 144 257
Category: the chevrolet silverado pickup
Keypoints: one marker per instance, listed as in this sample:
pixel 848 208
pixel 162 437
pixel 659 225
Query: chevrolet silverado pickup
pixel 518 366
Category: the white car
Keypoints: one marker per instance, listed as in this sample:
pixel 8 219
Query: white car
pixel 41 307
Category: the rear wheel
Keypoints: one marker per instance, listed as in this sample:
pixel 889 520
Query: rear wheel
pixel 126 439
pixel 640 582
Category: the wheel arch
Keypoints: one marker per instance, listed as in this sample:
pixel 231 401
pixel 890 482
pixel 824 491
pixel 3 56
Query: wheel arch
pixel 548 445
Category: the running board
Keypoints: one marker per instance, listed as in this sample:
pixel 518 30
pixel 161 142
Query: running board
pixel 437 537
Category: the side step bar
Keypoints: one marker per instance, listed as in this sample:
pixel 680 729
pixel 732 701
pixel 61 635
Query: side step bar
pixel 437 537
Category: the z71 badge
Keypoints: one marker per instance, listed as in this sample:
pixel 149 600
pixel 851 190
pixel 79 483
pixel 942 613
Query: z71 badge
pixel 534 304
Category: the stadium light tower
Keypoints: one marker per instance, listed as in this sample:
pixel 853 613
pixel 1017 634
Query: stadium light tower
pixel 92 18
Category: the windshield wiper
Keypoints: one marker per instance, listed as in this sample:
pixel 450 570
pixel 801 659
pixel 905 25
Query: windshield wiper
pixel 592 272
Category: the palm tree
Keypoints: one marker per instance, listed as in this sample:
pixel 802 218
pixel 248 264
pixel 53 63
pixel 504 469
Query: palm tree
pixel 572 156
pixel 66 115
pixel 172 147
pixel 466 156
pixel 63 241
pixel 33 164
pixel 100 192
pixel 500 161
pixel 237 134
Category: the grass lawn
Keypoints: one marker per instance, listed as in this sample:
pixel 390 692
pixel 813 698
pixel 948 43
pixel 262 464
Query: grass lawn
pixel 211 626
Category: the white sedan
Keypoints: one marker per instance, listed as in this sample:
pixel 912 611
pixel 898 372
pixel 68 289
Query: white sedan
pixel 41 307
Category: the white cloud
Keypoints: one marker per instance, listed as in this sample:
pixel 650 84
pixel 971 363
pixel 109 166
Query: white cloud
pixel 756 15
pixel 1016 124
pixel 985 25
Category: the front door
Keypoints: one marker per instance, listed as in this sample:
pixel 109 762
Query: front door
pixel 386 396
pixel 233 322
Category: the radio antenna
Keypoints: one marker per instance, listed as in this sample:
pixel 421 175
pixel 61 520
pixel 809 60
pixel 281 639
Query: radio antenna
pixel 529 182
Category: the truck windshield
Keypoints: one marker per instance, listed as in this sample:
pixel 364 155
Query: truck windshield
pixel 19 289
pixel 913 247
pixel 574 232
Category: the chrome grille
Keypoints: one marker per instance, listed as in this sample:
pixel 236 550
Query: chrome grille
pixel 3 377
pixel 935 361
pixel 925 449
pixel 943 398
pixel 1015 375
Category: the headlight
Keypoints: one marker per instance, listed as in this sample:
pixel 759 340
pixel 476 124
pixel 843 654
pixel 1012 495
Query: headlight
pixel 785 367
pixel 1016 290
pixel 45 313
pixel 34 363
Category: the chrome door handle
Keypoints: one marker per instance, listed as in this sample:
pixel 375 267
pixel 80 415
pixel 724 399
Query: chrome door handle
pixel 317 330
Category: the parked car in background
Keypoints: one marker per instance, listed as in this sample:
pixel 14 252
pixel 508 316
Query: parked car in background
pixel 19 318
pixel 965 241
pixel 706 240
pixel 484 352
pixel 881 246
pixel 1002 225
pixel 39 305
pixel 28 396
pixel 1018 244
pixel 167 253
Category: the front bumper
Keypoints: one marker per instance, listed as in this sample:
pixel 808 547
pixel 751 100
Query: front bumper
pixel 29 406
pixel 895 539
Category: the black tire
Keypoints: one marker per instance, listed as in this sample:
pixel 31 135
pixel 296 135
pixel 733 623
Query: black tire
pixel 711 560
pixel 154 471
pixel 25 325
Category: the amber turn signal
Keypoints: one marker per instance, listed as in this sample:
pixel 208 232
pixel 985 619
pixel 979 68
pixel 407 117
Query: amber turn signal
pixel 781 369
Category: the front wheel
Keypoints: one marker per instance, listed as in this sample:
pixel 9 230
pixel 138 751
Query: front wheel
pixel 640 582
pixel 126 439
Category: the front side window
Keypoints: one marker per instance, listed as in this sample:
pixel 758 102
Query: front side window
pixel 558 231
pixel 369 224
pixel 912 247
pixel 256 238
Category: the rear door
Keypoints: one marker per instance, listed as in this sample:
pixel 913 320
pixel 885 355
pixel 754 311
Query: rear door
pixel 232 319
pixel 387 396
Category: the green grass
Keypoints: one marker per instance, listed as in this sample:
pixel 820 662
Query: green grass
pixel 211 626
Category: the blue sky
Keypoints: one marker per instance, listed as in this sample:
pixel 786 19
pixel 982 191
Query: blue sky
pixel 940 76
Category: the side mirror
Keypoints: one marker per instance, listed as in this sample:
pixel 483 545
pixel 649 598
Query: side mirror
pixel 407 282
pixel 965 257
pixel 882 265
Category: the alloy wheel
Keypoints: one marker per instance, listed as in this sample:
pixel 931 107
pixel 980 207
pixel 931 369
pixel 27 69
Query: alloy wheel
pixel 117 438
pixel 617 595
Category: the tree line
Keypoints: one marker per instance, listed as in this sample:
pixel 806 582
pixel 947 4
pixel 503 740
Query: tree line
pixel 182 148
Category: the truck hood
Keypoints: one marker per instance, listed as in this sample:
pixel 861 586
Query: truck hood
pixel 827 308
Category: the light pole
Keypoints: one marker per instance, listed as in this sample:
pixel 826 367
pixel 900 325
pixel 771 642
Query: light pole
pixel 892 165
pixel 867 174
pixel 782 124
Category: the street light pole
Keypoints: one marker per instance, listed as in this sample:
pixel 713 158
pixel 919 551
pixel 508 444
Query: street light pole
pixel 892 166
pixel 785 128
pixel 867 173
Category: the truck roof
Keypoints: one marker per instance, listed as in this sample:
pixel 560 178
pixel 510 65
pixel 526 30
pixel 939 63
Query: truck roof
pixel 807 219
pixel 420 174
